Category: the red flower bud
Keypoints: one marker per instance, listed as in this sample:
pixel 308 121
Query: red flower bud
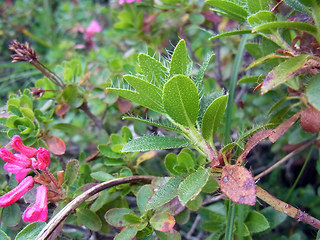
pixel 18 145
pixel 39 210
pixel 16 159
pixel 43 157
pixel 16 193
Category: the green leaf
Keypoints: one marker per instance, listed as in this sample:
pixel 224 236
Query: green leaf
pixel 71 172
pixel 261 17
pixel 179 61
pixel 171 162
pixel 256 222
pixel 132 218
pixel 149 143
pixel 181 100
pixel 101 176
pixel 27 112
pixel 70 93
pixel 202 70
pixel 251 79
pixel 195 204
pixel 162 221
pixel 114 162
pixel 257 5
pixel 31 231
pixel 164 194
pixel 185 161
pixel 144 193
pixel 264 59
pixel 283 72
pixel 89 219
pixel 302 26
pixel 11 215
pixel 213 116
pixel 115 217
pixel 104 198
pixel 211 185
pixel 154 71
pixel 192 185
pixel 127 233
pixel 67 128
pixel 146 89
pixel 107 151
pixel 274 217
pixel 231 33
pixel 126 134
pixel 230 9
pixel 137 98
pixel 296 5
pixel 165 125
pixel 172 235
pixel 4 236
pixel 13 102
pixel 313 91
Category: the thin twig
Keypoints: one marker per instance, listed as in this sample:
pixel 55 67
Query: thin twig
pixel 193 227
pixel 86 110
pixel 214 199
pixel 283 160
pixel 70 207
pixel 287 209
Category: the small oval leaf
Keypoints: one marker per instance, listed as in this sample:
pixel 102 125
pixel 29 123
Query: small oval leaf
pixel 213 116
pixel 56 145
pixel 115 217
pixel 192 185
pixel 31 231
pixel 162 222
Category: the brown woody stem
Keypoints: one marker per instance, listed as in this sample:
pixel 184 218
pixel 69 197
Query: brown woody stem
pixel 287 209
pixel 70 207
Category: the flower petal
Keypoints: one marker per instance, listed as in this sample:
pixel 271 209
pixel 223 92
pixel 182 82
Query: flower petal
pixel 16 193
pixel 20 172
pixel 39 210
pixel 18 145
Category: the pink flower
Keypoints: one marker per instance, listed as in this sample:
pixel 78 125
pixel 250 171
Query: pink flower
pixel 16 193
pixel 43 157
pixel 39 210
pixel 20 172
pixel 127 1
pixel 16 159
pixel 18 145
pixel 94 27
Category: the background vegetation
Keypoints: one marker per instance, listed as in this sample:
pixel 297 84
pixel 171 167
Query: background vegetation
pixel 258 59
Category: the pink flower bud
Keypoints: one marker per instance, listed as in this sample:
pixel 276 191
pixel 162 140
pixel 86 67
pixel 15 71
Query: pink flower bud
pixel 127 1
pixel 18 145
pixel 43 157
pixel 16 159
pixel 20 172
pixel 16 193
pixel 39 210
pixel 94 27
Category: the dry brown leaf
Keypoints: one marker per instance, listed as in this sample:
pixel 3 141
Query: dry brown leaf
pixel 56 145
pixel 124 105
pixel 238 184
pixel 253 141
pixel 283 127
pixel 310 120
